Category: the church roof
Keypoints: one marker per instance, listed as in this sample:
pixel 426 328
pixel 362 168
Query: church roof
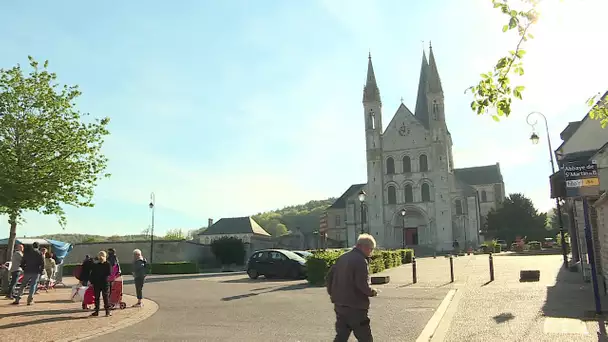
pixel 340 203
pixel 235 225
pixel 489 174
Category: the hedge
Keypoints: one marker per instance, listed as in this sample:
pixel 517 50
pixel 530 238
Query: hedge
pixel 319 263
pixel 182 267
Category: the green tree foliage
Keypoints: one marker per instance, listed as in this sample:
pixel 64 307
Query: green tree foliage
pixel 49 156
pixel 305 216
pixel 175 234
pixel 229 250
pixel 495 91
pixel 517 216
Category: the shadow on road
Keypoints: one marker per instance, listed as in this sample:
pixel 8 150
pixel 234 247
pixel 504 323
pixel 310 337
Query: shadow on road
pixel 41 313
pixel 503 317
pixel 161 278
pixel 247 280
pixel 40 321
pixel 291 287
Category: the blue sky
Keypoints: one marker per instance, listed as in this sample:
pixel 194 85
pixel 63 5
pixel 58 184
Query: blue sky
pixel 228 108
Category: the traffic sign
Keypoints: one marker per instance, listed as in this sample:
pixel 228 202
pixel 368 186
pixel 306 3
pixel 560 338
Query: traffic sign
pixel 582 179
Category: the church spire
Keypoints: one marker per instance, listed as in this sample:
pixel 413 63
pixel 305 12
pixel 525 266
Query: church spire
pixel 422 111
pixel 434 82
pixel 371 93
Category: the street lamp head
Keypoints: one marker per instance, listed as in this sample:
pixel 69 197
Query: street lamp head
pixel 534 138
pixel 402 212
pixel 151 205
pixel 362 195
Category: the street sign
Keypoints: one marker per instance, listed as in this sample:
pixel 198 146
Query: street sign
pixel 582 179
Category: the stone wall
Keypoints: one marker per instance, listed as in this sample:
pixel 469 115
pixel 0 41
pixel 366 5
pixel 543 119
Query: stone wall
pixel 164 251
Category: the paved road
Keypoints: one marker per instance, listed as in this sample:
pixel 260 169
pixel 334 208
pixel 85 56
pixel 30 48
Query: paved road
pixel 234 308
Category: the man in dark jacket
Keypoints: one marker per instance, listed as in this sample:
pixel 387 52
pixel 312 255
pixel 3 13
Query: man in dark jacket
pixel 349 290
pixel 32 264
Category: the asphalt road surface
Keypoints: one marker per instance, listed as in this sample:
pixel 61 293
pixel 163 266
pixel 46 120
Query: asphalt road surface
pixel 231 307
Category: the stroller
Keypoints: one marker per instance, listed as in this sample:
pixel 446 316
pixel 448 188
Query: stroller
pixel 114 297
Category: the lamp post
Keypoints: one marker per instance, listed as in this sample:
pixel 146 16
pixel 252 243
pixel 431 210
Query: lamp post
pixel 362 195
pixel 535 138
pixel 152 205
pixel 403 212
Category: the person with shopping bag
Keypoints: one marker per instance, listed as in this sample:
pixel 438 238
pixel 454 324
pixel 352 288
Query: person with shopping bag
pixel 100 274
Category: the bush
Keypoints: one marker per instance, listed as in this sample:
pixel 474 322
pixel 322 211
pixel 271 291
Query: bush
pixel 181 267
pixel 406 255
pixel 318 265
pixel 229 250
pixel 376 263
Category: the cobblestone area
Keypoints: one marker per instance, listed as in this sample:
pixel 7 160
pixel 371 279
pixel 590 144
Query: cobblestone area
pixel 54 317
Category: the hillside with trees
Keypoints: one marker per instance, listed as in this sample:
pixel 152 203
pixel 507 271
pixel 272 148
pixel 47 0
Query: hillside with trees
pixel 277 222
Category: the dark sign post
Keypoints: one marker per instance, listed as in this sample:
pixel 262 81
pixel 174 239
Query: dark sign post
pixel 582 180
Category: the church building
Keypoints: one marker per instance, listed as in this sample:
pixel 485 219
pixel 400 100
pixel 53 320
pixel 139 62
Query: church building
pixel 414 196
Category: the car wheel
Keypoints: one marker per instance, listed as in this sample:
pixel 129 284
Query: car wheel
pixel 253 274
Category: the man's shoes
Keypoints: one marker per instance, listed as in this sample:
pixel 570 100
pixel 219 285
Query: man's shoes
pixel 30 301
pixel 16 302
pixel 108 313
pixel 95 314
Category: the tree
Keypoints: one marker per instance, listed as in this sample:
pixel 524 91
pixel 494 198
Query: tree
pixel 49 157
pixel 517 217
pixel 494 90
pixel 175 234
pixel 306 216
pixel 229 250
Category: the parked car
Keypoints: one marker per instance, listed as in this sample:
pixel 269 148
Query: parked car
pixel 549 243
pixel 276 263
pixel 303 254
pixel 503 244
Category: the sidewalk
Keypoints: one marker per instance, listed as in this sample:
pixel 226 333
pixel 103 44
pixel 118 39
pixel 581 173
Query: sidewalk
pixel 559 307
pixel 53 317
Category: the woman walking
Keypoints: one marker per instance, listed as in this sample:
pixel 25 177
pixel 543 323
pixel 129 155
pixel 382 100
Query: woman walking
pixel 100 272
pixel 139 275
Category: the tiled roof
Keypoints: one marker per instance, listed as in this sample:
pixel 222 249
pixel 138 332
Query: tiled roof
pixel 489 174
pixel 235 225
pixel 340 203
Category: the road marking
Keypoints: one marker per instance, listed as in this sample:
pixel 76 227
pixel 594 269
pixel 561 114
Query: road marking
pixel 433 323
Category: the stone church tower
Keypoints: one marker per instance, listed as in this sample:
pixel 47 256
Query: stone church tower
pixel 410 169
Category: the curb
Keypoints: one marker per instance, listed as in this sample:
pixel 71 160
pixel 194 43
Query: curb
pixel 149 309
pixel 428 334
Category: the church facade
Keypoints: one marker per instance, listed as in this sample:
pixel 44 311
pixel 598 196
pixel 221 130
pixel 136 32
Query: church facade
pixel 410 170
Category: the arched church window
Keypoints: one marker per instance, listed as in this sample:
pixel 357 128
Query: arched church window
pixel 424 163
pixel 458 207
pixel 484 196
pixel 392 194
pixel 390 166
pixel 409 194
pixel 407 164
pixel 426 192
pixel 435 109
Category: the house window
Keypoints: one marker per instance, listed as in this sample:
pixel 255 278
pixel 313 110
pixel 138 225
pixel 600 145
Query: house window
pixel 392 195
pixel 407 164
pixel 338 223
pixel 424 163
pixel 390 166
pixel 484 196
pixel 426 192
pixel 409 194
pixel 458 207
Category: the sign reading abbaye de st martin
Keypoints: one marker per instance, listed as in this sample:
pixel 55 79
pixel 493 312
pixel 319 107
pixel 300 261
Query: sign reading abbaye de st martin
pixel 582 179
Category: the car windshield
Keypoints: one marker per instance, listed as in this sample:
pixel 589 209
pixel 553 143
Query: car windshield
pixel 293 256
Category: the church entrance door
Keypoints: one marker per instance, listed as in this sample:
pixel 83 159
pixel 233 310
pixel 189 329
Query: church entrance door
pixel 411 236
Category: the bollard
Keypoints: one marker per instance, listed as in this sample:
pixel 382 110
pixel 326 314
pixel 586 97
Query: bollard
pixel 491 267
pixel 414 275
pixel 451 269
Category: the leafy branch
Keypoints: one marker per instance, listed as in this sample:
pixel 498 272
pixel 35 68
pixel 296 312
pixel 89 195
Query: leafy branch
pixel 599 108
pixel 494 90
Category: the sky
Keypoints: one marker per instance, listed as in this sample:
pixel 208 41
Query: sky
pixel 230 108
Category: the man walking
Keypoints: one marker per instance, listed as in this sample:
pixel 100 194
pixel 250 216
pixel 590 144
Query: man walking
pixel 15 270
pixel 349 290
pixel 32 264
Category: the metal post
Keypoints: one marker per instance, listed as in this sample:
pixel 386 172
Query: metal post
pixel 451 269
pixel 491 258
pixel 403 237
pixel 362 226
pixel 414 275
pixel 152 205
pixel 591 256
pixel 557 204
